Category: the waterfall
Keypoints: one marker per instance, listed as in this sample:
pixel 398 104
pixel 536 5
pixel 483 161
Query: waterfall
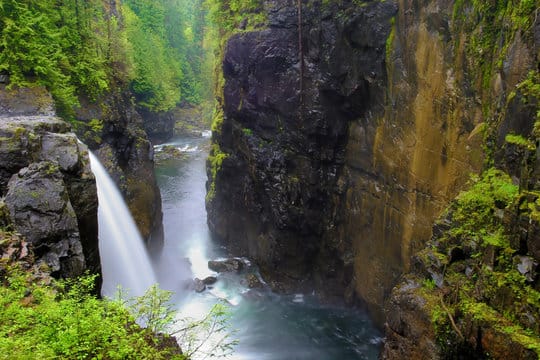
pixel 124 259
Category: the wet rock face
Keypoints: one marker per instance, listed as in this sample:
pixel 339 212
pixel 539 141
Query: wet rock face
pixel 128 156
pixel 285 149
pixel 228 265
pixel 49 191
pixel 26 101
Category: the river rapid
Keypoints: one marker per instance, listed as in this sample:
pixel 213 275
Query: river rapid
pixel 268 326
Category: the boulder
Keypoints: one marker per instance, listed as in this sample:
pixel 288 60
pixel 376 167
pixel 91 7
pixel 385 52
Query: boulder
pixel 253 281
pixel 168 152
pixel 199 285
pixel 40 209
pixel 61 148
pixel 209 280
pixel 48 187
pixel 227 265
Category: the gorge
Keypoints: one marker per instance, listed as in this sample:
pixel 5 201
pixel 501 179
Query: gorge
pixel 382 154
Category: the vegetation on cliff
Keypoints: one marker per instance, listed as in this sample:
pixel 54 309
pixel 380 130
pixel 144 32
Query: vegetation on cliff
pixel 67 48
pixel 84 48
pixel 477 277
pixel 480 276
pixel 63 320
pixel 44 318
pixel 226 18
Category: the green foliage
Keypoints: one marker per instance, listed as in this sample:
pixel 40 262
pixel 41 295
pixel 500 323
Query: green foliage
pixel 76 47
pixel 63 320
pixel 228 14
pixel 215 160
pixel 520 141
pixel 483 287
pixel 56 44
pixel 154 309
pixel 167 52
pixel 156 75
pixel 475 207
pixel 207 337
pixel 40 320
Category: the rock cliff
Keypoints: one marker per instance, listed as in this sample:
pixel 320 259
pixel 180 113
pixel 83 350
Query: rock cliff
pixel 278 158
pixel 114 131
pixel 335 169
pixel 474 70
pixel 46 184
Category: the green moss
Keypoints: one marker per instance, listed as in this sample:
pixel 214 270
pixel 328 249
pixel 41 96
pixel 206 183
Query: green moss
pixel 475 207
pixel 36 194
pixel 530 90
pixel 428 284
pixel 390 40
pixel 217 121
pixel 521 336
pixel 489 29
pixel 52 168
pixel 215 160
pixel 230 14
pixel 482 287
pixel 534 207
pixel 483 313
pixel 520 141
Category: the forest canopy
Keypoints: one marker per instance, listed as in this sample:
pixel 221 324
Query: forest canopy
pixel 84 48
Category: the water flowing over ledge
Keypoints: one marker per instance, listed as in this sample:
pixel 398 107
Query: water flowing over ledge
pixel 124 258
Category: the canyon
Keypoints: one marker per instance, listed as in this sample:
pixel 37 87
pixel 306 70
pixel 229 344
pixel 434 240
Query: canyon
pixel 332 160
pixel 380 153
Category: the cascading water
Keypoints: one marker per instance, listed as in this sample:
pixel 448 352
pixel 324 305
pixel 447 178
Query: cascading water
pixel 270 326
pixel 124 259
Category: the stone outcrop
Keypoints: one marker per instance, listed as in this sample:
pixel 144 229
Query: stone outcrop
pixel 339 174
pixel 127 154
pixel 185 119
pixel 227 265
pixel 47 184
pixel 158 126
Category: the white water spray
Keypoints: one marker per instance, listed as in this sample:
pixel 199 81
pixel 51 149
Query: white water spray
pixel 124 260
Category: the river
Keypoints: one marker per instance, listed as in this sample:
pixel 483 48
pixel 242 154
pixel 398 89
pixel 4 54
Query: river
pixel 267 326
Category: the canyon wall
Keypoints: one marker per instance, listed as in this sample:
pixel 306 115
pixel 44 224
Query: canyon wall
pixel 333 171
pixel 281 145
pixel 114 130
